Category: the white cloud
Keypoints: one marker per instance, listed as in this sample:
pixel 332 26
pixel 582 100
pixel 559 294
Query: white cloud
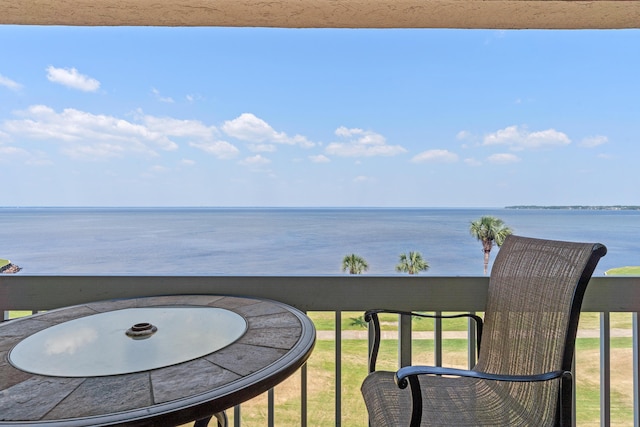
pixel 262 148
pixel 503 158
pixel 440 156
pixel 594 141
pixel 248 127
pixel 520 138
pixel 159 97
pixel 256 160
pixel 99 150
pixel 320 158
pixel 463 135
pixel 70 77
pixel 9 84
pixel 97 136
pixel 193 97
pixel 71 125
pixel 187 162
pixel 362 144
pixel 363 137
pixel 220 149
pixel 177 127
pixel 202 137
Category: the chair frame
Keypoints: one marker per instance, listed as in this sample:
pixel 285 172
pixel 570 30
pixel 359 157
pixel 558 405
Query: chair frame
pixel 408 376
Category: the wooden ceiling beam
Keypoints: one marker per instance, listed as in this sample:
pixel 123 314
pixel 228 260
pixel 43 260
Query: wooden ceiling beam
pixel 495 14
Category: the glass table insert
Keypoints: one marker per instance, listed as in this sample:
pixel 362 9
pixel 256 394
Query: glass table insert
pixel 127 340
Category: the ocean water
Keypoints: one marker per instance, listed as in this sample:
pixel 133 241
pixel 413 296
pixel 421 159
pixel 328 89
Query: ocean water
pixel 273 241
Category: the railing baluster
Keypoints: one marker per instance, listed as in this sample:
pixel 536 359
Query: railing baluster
pixel 437 339
pixel 404 340
pixel 270 407
pixel 573 391
pixel 236 416
pixel 338 334
pixel 605 369
pixel 635 326
pixel 472 347
pixel 304 407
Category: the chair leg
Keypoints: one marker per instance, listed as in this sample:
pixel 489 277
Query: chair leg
pixel 221 417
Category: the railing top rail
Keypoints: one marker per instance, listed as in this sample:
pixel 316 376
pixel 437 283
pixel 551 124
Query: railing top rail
pixel 320 293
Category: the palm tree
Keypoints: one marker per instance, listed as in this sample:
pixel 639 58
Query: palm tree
pixel 412 263
pixel 354 264
pixel 489 230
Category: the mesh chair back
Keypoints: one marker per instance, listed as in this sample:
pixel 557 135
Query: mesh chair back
pixel 531 321
pixel 535 293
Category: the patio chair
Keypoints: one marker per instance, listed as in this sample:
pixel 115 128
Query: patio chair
pixel 525 348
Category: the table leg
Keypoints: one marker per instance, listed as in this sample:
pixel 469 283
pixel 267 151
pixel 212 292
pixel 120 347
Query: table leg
pixel 204 422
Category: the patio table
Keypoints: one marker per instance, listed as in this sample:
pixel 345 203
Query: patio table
pixel 162 360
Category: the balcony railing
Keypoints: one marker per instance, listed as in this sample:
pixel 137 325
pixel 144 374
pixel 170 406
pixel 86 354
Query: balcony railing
pixel 341 295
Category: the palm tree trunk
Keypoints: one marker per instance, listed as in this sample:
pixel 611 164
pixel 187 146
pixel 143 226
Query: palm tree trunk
pixel 487 245
pixel 486 262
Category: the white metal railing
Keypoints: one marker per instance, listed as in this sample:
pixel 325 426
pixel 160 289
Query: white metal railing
pixel 338 294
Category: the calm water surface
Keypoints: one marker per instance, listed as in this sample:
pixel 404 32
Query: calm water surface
pixel 209 241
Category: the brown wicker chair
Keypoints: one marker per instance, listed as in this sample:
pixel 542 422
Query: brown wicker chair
pixel 523 375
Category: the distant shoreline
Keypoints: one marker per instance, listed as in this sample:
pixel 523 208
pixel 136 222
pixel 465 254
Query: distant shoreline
pixel 580 207
pixel 317 208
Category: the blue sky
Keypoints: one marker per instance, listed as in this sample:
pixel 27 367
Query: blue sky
pixel 281 117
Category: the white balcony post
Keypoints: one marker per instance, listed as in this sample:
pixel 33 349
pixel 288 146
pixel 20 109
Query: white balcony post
pixel 472 342
pixel 636 368
pixel 437 339
pixel 605 367
pixel 404 340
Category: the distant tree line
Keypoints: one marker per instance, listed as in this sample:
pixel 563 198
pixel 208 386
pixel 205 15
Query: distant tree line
pixel 580 207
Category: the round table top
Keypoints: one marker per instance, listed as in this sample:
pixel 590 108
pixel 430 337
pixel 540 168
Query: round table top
pixel 127 340
pixel 277 341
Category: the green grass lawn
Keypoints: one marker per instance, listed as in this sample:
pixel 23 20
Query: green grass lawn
pixel 18 313
pixel 324 321
pixel 624 271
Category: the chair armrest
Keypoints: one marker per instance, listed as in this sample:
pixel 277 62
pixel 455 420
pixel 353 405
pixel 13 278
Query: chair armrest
pixel 371 316
pixel 370 313
pixel 409 376
pixel 402 375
